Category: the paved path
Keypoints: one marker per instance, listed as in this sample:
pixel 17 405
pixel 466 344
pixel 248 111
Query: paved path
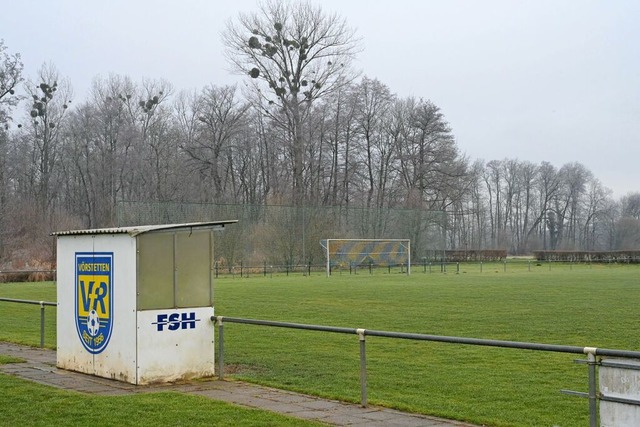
pixel 40 366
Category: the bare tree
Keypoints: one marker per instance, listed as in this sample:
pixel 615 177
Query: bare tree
pixel 548 185
pixel 631 205
pixel 493 179
pixel 49 105
pixel 525 203
pixel 10 77
pixel 299 54
pixel 627 234
pixel 339 111
pixel 101 129
pixel 574 178
pixel 375 101
pixel 221 116
pixel 477 237
pixel 596 209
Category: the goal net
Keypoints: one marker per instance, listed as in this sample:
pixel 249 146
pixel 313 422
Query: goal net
pixel 367 252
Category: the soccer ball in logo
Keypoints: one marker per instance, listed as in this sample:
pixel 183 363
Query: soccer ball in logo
pixel 93 323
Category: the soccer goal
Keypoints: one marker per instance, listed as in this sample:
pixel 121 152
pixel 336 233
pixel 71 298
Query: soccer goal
pixel 366 252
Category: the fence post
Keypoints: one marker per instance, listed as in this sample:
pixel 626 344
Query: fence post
pixel 593 398
pixel 363 368
pixel 218 320
pixel 41 324
pixel 457 268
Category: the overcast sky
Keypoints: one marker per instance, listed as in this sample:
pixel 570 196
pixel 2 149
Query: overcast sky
pixel 534 80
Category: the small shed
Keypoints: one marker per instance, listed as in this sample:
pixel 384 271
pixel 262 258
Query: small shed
pixel 135 303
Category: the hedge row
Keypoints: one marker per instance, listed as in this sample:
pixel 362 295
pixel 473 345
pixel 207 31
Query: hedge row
pixel 27 276
pixel 589 256
pixel 474 255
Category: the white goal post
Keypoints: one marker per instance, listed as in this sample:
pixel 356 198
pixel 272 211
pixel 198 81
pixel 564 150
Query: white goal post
pixel 359 252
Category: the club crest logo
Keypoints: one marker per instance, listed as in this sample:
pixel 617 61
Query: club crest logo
pixel 94 299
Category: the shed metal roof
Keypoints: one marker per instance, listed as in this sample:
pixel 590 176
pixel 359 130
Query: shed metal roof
pixel 140 229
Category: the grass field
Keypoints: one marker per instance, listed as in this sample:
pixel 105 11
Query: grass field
pixel 577 305
pixel 29 404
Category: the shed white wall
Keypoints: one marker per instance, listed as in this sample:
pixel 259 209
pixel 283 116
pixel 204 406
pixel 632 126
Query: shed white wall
pixel 118 359
pixel 175 344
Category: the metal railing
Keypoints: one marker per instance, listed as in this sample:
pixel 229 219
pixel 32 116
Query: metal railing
pixel 424 266
pixel 42 305
pixel 590 352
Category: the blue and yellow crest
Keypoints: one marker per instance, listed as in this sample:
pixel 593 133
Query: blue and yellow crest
pixel 94 299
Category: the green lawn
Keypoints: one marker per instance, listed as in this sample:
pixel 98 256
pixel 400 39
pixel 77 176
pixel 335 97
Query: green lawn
pixel 577 305
pixel 20 323
pixel 27 403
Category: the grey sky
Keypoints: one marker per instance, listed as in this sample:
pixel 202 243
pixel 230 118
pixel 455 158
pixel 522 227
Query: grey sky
pixel 534 80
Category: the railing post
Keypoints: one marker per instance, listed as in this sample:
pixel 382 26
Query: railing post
pixel 218 320
pixel 593 396
pixel 363 368
pixel 41 324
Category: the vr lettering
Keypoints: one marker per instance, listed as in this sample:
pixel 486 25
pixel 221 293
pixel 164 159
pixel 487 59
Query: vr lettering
pixel 93 296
